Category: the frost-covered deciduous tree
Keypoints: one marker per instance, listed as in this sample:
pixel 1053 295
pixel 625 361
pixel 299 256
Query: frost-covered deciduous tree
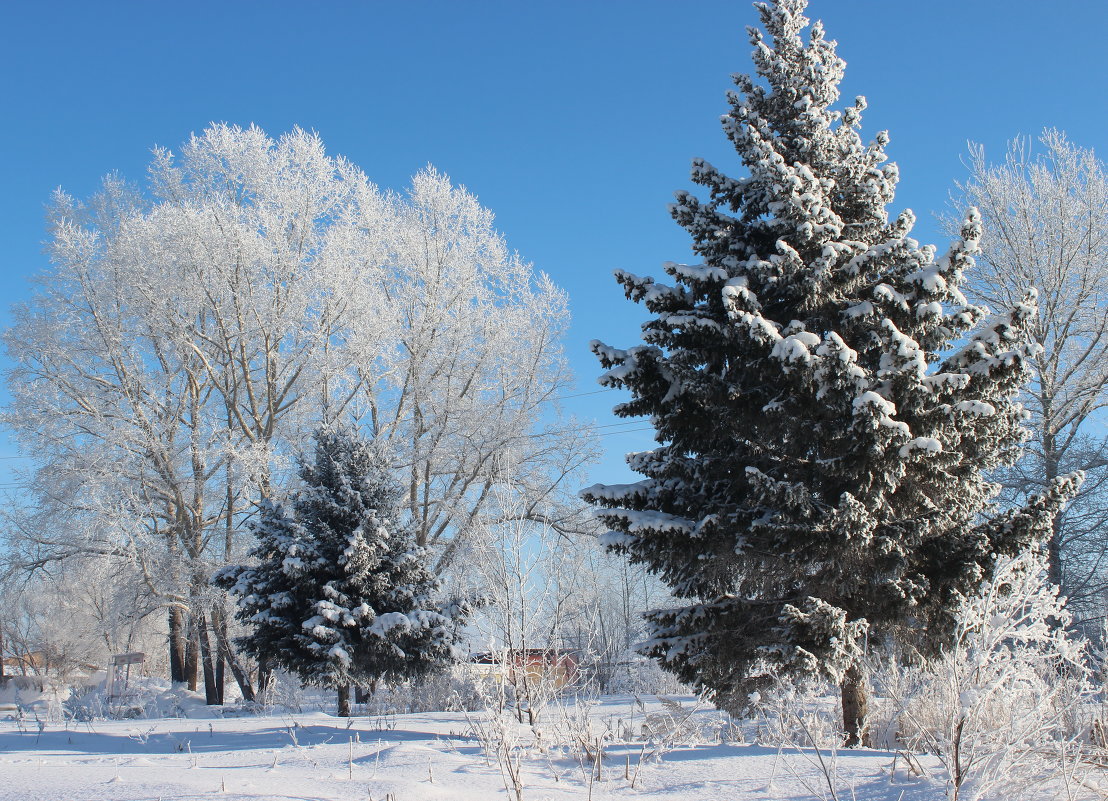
pixel 73 620
pixel 341 594
pixel 168 354
pixel 531 581
pixel 1045 217
pixel 826 399
pixel 186 334
pixel 549 590
pixel 469 370
pixel 607 623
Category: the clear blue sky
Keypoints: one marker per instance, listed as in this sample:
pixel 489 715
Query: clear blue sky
pixel 574 121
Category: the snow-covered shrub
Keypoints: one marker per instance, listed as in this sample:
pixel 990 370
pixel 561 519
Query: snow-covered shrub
pixel 1004 696
pixel 678 723
pixel 146 697
pixel 642 676
pixel 499 730
pixel 798 712
pixel 455 690
pixel 286 693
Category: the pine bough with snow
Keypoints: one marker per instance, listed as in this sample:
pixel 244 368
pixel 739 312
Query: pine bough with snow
pixel 822 467
pixel 341 594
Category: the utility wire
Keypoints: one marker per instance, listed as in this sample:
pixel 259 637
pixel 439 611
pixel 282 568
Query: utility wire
pixel 625 431
pixel 583 394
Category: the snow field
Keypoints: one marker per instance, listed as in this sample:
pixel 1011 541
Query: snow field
pixel 417 757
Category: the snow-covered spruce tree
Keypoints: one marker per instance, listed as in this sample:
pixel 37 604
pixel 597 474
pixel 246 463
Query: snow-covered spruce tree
pixel 821 472
pixel 340 594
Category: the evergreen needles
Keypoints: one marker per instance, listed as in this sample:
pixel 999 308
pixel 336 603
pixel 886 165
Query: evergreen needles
pixel 827 401
pixel 340 594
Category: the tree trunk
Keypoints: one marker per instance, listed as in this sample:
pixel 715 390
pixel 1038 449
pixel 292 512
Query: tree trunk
pixel 228 656
pixel 178 638
pixel 1051 469
pixel 344 701
pixel 362 694
pixel 220 671
pixel 265 680
pixel 212 693
pixel 1054 554
pixel 192 654
pixel 855 700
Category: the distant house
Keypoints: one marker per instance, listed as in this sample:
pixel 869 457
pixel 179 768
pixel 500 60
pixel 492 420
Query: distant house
pixel 540 665
pixel 34 663
pixel 40 663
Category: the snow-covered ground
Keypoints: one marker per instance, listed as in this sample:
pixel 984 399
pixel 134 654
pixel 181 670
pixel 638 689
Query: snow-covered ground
pixel 420 757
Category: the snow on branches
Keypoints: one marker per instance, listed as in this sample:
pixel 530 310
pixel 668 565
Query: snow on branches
pixel 821 471
pixel 340 593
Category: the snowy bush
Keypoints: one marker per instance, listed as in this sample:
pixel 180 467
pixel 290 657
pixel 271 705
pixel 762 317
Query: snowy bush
pixel 1004 700
pixel 455 690
pixel 146 697
pixel 800 713
pixel 639 676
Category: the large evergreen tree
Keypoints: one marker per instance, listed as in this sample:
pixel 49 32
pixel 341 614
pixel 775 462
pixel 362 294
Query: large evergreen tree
pixel 340 594
pixel 826 399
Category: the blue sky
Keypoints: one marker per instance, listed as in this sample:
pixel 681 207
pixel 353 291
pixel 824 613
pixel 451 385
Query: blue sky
pixel 574 121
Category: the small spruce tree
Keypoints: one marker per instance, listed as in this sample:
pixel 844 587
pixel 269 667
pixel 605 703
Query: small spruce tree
pixel 340 593
pixel 827 402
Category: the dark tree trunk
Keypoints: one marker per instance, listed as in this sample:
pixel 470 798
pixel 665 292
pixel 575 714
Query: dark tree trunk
pixel 855 707
pixel 344 701
pixel 212 693
pixel 228 656
pixel 192 654
pixel 220 677
pixel 178 639
pixel 1051 468
pixel 1054 554
pixel 265 680
pixel 363 694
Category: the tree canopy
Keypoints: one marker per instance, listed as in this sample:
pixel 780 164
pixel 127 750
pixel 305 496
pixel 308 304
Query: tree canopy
pixel 827 401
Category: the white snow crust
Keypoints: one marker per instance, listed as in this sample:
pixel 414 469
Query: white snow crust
pixel 416 757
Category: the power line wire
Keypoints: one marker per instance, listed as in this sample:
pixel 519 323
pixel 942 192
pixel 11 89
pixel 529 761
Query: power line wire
pixel 583 394
pixel 625 431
